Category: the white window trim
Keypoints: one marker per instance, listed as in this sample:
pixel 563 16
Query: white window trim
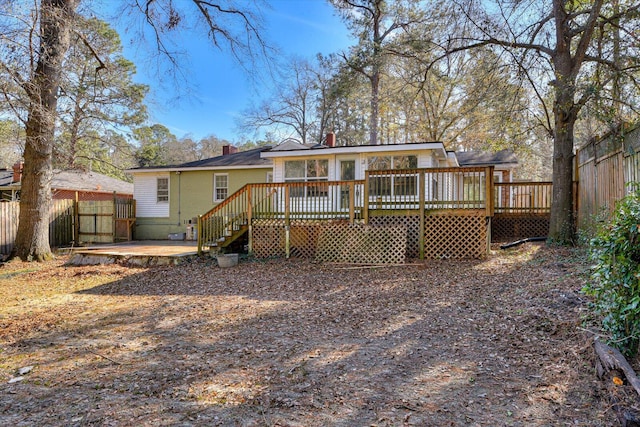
pixel 158 201
pixel 305 178
pixel 215 186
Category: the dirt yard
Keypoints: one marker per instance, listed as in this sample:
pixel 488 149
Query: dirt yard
pixel 497 342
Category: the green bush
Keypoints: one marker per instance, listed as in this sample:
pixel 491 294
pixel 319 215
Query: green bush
pixel 615 279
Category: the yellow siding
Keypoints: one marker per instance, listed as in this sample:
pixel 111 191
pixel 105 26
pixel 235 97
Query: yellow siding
pixel 190 195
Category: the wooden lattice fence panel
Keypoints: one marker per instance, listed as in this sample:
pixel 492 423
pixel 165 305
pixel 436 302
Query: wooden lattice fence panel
pixel 304 237
pixel 457 237
pixel 362 244
pixel 268 239
pixel 512 227
pixel 412 224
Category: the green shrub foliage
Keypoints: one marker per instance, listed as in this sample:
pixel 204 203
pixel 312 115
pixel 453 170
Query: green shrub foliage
pixel 615 279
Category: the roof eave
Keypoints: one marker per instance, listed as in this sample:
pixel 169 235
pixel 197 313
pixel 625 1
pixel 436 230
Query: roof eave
pixel 356 149
pixel 195 169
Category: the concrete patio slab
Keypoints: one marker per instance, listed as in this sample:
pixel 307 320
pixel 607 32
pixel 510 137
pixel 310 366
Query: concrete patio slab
pixel 139 253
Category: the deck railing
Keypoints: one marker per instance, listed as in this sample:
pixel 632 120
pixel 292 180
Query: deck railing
pixel 452 191
pixel 307 200
pixel 288 201
pixel 523 197
pixel 430 189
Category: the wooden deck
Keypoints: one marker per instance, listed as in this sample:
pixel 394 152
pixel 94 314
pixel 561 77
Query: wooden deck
pixel 137 253
pixel 446 213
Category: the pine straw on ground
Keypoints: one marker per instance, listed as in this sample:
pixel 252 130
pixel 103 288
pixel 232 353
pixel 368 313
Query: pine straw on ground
pixel 294 343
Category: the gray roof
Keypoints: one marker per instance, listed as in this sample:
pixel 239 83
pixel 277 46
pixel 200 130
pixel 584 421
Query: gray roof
pixel 6 177
pixel 78 180
pixel 241 158
pixel 290 145
pixel 483 158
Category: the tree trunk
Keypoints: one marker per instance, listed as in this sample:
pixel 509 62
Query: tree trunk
pixel 32 241
pixel 565 113
pixel 375 108
pixel 561 223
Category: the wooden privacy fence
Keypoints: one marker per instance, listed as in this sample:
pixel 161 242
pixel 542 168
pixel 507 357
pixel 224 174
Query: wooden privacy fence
pixel 74 222
pixel 9 212
pixel 61 220
pixel 605 168
pixel 105 221
pixel 445 212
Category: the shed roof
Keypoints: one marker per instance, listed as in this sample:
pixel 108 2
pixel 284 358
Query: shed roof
pixel 483 158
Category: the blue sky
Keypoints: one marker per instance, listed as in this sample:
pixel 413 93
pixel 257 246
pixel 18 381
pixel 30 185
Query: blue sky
pixel 219 89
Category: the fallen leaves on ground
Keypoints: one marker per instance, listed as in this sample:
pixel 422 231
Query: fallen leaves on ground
pixel 295 343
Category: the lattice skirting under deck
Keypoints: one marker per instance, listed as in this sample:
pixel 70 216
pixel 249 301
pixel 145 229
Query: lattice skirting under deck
pixel 269 239
pixel 512 227
pixel 362 244
pixel 457 237
pixel 412 225
pixel 387 239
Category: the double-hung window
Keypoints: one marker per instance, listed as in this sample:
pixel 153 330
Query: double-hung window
pixel 220 186
pixel 162 190
pixel 310 171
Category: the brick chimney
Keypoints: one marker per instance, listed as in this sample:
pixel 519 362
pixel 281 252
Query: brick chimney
pixel 229 149
pixel 17 171
pixel 331 140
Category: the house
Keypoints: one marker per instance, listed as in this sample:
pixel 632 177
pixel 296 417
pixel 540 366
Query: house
pixel 277 199
pixel 433 203
pixel 169 198
pixel 68 184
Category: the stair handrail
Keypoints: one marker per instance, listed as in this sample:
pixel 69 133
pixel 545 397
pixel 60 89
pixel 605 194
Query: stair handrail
pixel 237 219
pixel 217 209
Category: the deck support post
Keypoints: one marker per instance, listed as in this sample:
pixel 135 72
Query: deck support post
pixel 199 233
pixel 365 202
pixel 421 203
pixel 489 203
pixel 352 202
pixel 287 222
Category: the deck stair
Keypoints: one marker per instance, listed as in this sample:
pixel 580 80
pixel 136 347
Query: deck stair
pixel 225 223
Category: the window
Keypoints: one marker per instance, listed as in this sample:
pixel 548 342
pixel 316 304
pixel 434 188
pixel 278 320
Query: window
pixel 220 187
pixel 473 187
pixel 162 190
pixel 393 185
pixel 307 171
